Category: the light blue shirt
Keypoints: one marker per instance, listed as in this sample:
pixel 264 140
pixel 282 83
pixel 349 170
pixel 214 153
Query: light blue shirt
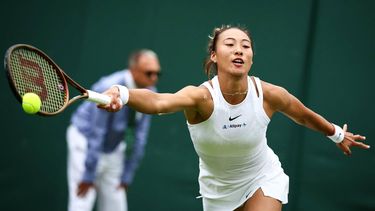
pixel 105 130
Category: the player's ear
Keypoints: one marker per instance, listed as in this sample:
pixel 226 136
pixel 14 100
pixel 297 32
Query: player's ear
pixel 213 57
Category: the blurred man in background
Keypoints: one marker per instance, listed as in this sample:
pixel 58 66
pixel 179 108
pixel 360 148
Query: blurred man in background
pixel 105 149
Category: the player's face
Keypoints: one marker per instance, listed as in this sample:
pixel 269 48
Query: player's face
pixel 233 52
pixel 147 71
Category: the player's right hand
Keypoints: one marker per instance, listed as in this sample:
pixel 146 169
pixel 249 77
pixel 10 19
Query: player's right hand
pixel 116 103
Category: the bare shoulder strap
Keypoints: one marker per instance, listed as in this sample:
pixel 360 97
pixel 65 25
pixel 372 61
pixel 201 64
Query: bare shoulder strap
pixel 258 87
pixel 208 85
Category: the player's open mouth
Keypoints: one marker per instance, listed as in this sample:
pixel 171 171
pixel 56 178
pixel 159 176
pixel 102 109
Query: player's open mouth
pixel 238 61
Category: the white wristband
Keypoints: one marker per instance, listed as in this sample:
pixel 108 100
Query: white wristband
pixel 338 136
pixel 124 93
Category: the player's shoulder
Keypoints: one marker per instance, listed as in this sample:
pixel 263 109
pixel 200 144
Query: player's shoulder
pixel 275 95
pixel 272 89
pixel 192 89
pixel 197 92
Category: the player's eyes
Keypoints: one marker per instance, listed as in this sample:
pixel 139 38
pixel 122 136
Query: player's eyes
pixel 229 44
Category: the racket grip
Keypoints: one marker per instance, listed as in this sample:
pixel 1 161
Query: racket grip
pixel 99 98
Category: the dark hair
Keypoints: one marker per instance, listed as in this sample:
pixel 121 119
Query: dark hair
pixel 209 66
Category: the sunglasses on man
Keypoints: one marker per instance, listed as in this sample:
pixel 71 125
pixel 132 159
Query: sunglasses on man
pixel 150 73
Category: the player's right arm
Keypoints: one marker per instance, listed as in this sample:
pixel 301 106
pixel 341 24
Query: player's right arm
pixel 159 103
pixel 146 101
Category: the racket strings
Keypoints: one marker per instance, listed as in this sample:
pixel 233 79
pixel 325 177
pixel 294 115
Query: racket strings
pixel 32 73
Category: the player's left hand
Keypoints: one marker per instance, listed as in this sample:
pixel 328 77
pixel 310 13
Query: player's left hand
pixel 351 140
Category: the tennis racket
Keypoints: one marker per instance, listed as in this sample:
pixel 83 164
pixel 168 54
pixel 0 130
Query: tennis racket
pixel 28 69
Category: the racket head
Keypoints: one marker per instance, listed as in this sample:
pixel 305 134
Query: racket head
pixel 28 69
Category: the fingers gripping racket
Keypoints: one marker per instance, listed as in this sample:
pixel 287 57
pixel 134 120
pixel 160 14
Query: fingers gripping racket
pixel 30 70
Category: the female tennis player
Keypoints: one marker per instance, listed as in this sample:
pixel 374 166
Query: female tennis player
pixel 227 118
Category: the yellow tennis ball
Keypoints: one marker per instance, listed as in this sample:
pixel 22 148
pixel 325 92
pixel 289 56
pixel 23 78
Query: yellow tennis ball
pixel 31 103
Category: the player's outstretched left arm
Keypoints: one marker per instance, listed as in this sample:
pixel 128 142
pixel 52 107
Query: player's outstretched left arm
pixel 279 99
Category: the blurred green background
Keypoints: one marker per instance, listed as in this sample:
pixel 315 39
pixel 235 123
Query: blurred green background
pixel 321 51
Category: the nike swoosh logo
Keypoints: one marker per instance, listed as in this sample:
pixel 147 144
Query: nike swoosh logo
pixel 231 119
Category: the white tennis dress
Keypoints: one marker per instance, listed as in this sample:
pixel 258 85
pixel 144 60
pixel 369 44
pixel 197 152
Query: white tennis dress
pixel 234 158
